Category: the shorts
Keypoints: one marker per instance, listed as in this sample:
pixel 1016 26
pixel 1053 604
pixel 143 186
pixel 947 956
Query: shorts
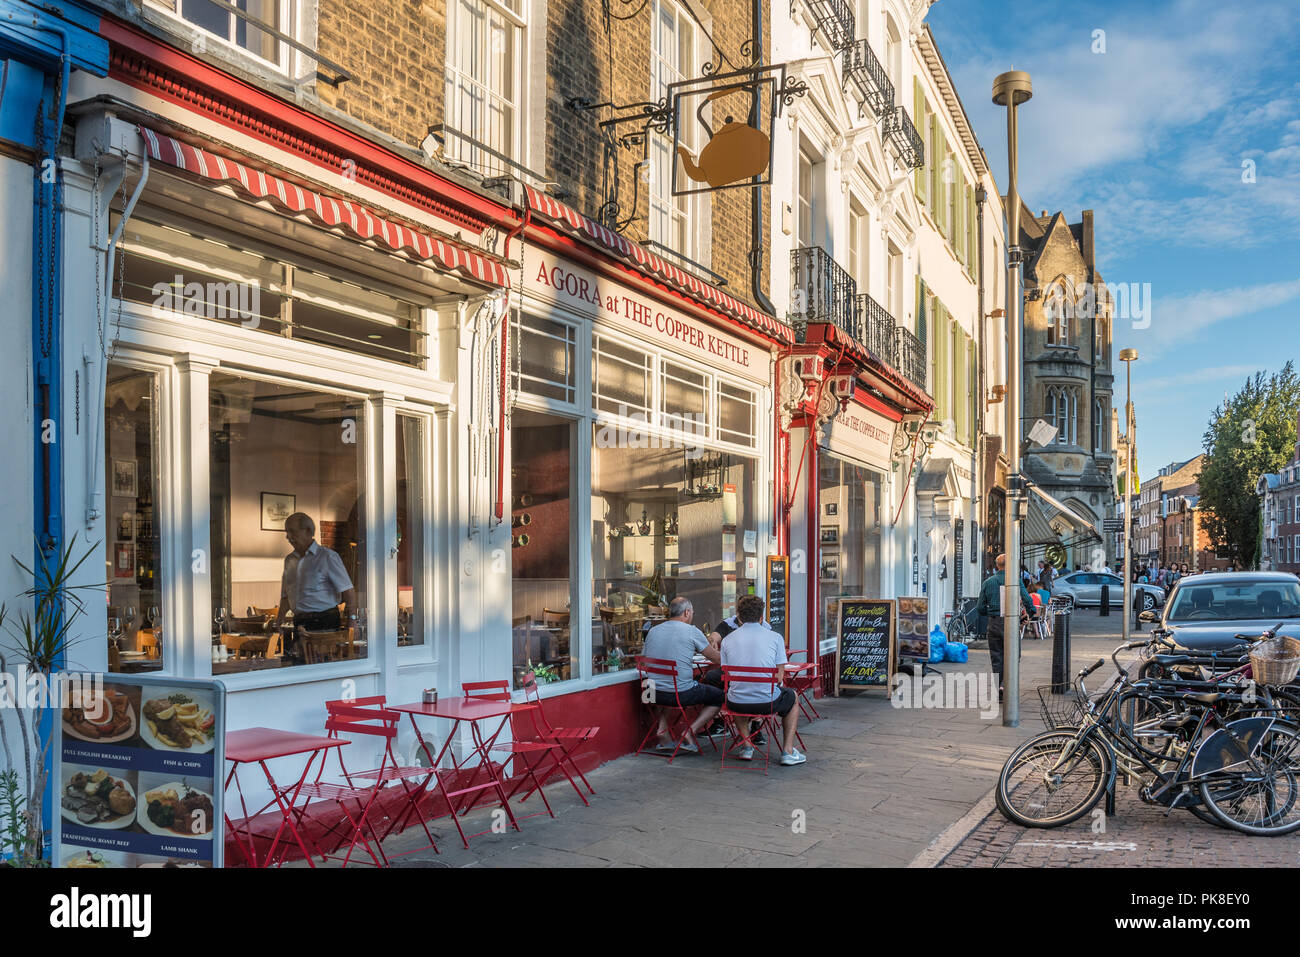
pixel 698 694
pixel 782 705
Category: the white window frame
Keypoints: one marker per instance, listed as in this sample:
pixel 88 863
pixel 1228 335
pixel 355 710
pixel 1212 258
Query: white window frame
pixel 684 211
pixel 292 17
pixel 457 76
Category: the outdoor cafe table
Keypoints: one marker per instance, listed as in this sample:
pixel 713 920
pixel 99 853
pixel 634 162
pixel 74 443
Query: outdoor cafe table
pixel 257 746
pixel 471 710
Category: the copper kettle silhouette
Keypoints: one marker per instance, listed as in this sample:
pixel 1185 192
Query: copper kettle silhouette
pixel 735 152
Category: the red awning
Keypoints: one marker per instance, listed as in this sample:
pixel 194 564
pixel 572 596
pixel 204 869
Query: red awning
pixel 662 269
pixel 325 210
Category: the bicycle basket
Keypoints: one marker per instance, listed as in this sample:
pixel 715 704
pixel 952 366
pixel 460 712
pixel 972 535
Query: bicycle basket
pixel 1060 705
pixel 1275 661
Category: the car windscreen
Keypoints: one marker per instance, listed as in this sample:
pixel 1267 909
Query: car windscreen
pixel 1230 602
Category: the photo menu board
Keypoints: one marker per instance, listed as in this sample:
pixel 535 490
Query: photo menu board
pixel 914 628
pixel 138 773
pixel 865 627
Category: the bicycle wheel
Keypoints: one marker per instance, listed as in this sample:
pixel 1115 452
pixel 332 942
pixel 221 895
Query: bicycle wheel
pixel 1263 796
pixel 1032 794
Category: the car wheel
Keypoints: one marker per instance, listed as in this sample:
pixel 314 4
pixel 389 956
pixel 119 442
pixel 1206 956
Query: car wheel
pixel 1148 601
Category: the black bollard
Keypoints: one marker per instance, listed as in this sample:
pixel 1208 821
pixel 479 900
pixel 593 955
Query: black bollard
pixel 1105 601
pixel 1061 653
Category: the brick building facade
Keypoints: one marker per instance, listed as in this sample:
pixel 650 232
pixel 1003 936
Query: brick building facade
pixel 1279 495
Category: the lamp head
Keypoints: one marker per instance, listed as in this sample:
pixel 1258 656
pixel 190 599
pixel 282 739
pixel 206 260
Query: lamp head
pixel 1127 355
pixel 1012 88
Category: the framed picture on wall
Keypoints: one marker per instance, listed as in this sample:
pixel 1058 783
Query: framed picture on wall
pixel 830 534
pixel 124 478
pixel 830 568
pixel 124 561
pixel 832 508
pixel 276 507
pixel 126 526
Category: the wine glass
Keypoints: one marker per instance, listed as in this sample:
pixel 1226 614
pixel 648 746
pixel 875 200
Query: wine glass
pixel 129 621
pixel 115 631
pixel 153 615
pixel 219 618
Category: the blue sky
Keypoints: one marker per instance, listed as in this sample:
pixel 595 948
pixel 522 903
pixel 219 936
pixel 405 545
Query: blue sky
pixel 1152 135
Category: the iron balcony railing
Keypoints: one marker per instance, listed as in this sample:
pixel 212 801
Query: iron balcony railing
pixel 835 21
pixel 821 291
pixel 898 129
pixel 878 327
pixel 911 357
pixel 865 74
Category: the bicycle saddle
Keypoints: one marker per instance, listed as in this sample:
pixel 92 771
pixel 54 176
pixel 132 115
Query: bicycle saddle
pixel 1211 697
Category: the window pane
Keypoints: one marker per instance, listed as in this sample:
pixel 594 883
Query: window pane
pixel 132 553
pixel 208 15
pixel 278 449
pixel 685 393
pixel 541 475
pixel 542 356
pixel 736 414
pixel 622 379
pixel 412 520
pixel 665 522
pixel 247 34
pixel 850 558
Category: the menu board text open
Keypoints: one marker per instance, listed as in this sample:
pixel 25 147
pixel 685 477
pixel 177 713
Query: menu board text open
pixel 865 629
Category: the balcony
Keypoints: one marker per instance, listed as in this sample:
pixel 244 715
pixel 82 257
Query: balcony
pixel 821 291
pixel 871 85
pixel 911 357
pixel 834 20
pixel 897 129
pixel 878 330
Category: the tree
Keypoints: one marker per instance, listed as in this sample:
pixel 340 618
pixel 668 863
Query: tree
pixel 1253 433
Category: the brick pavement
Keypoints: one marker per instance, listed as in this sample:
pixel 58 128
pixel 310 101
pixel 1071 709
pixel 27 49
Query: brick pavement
pixel 881 784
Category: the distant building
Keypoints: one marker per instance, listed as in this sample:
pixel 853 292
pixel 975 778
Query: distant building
pixel 1279 494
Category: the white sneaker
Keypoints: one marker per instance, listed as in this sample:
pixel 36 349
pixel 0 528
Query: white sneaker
pixel 689 747
pixel 794 757
pixel 745 754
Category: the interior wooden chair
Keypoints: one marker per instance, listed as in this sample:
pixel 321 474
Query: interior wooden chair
pixel 321 646
pixel 256 612
pixel 555 619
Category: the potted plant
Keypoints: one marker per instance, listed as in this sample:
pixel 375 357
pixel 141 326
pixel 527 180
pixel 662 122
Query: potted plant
pixel 544 673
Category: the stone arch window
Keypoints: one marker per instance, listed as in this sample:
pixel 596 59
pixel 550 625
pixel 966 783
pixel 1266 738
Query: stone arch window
pixel 1061 409
pixel 1058 310
pixel 1098 428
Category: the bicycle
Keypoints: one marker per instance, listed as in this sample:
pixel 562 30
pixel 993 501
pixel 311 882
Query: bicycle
pixel 1245 771
pixel 962 624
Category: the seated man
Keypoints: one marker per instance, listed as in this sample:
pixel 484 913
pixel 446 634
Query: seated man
pixel 678 640
pixel 754 646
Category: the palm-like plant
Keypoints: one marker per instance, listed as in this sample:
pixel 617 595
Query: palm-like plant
pixel 39 640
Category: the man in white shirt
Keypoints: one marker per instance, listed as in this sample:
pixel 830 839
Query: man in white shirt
pixel 314 581
pixel 754 646
pixel 677 640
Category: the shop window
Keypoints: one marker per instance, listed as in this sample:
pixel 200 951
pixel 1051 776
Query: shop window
pixel 413 519
pixel 216 17
pixel 543 356
pixel 622 379
pixel 737 415
pixel 850 522
pixel 279 450
pixel 543 533
pixel 666 522
pixel 132 553
pixel 176 272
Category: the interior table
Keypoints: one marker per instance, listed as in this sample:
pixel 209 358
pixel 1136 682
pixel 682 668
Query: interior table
pixel 473 711
pixel 257 746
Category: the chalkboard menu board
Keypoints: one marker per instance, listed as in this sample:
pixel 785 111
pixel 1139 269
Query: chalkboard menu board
pixel 865 627
pixel 778 584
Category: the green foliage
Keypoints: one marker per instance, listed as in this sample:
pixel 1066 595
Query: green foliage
pixel 1254 433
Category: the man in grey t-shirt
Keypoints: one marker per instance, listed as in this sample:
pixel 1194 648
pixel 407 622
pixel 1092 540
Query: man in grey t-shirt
pixel 677 640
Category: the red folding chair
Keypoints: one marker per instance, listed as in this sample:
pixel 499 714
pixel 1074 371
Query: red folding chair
pixel 660 671
pixel 355 720
pixel 569 740
pixel 521 747
pixel 391 769
pixel 802 683
pixel 767 680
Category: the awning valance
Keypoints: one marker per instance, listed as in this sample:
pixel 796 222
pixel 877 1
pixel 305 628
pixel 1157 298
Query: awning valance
pixel 660 268
pixel 324 210
pixel 1049 520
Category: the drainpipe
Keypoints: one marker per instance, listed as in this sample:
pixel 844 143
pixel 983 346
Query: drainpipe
pixel 977 470
pixel 755 194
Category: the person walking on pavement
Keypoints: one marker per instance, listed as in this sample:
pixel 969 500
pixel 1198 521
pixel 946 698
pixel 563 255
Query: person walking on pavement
pixel 990 605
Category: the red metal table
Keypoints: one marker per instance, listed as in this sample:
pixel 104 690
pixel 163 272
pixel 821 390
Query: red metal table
pixel 473 711
pixel 257 746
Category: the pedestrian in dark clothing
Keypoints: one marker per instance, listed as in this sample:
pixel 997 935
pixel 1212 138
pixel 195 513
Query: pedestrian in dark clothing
pixel 990 605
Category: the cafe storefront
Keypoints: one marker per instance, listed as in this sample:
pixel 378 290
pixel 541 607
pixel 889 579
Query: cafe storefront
pixel 640 466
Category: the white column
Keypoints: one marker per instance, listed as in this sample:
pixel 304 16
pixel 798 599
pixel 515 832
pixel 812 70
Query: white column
pixel 187 617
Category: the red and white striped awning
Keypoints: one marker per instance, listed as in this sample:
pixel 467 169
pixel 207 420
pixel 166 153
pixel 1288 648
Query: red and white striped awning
pixel 325 210
pixel 660 268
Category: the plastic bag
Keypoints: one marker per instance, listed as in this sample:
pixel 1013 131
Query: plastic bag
pixel 955 652
pixel 938 643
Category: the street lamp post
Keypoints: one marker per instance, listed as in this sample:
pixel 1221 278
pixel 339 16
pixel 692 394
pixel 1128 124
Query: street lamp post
pixel 1127 356
pixel 1010 90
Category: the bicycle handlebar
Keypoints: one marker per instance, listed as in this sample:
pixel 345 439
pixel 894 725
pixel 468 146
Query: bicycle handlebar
pixel 1083 674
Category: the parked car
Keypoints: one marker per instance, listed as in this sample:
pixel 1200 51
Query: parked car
pixel 1207 612
pixel 1085 589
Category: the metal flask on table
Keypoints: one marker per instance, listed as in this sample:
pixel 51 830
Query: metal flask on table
pixel 736 152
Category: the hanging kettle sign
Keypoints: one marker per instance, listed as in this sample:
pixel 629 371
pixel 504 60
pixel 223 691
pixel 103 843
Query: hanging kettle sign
pixel 722 129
